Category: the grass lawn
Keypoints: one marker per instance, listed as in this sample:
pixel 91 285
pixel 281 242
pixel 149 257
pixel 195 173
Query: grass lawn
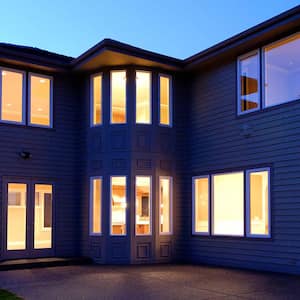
pixel 8 296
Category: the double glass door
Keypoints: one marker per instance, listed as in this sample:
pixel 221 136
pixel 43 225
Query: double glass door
pixel 28 218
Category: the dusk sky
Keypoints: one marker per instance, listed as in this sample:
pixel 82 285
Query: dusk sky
pixel 170 27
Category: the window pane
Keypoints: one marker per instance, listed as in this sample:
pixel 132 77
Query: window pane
pixel 118 97
pixel 165 205
pixel 201 205
pixel 40 100
pixel 12 96
pixel 249 83
pixel 259 202
pixel 96 205
pixel 16 216
pixel 228 204
pixel 164 83
pixel 97 99
pixel 118 205
pixel 282 71
pixel 143 205
pixel 43 216
pixel 143 97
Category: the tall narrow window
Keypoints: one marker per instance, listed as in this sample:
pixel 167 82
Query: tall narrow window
pixel 201 205
pixel 40 100
pixel 228 204
pixel 95 206
pixel 249 83
pixel 165 100
pixel 118 205
pixel 96 99
pixel 143 97
pixel 143 205
pixel 282 71
pixel 16 216
pixel 118 97
pixel 258 199
pixel 12 96
pixel 43 216
pixel 165 205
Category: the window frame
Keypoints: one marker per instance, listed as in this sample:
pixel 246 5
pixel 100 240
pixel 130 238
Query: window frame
pixel 110 96
pixel 263 71
pixel 150 94
pixel 91 206
pixel 194 232
pixel 151 197
pixel 92 107
pixel 170 125
pixel 30 74
pixel 256 53
pixel 23 122
pixel 171 205
pixel 110 206
pixel 248 203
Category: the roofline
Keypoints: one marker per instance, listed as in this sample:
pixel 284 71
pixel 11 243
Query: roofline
pixel 242 35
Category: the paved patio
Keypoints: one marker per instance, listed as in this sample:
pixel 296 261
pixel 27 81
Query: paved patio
pixel 148 282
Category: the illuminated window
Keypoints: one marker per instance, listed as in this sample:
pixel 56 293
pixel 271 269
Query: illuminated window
pixel 118 97
pixel 165 205
pixel 228 204
pixel 165 100
pixel 43 216
pixel 249 82
pixel 118 205
pixel 143 97
pixel 12 96
pixel 258 219
pixel 201 205
pixel 40 100
pixel 95 205
pixel 282 71
pixel 96 99
pixel 16 216
pixel 143 205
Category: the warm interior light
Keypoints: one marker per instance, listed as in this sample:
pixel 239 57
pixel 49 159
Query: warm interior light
pixel 143 97
pixel 97 188
pixel 118 97
pixel 164 100
pixel 4 73
pixel 165 204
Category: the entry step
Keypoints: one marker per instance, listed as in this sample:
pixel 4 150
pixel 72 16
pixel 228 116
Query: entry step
pixel 42 262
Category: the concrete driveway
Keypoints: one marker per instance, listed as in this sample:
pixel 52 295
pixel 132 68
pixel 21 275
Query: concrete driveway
pixel 148 282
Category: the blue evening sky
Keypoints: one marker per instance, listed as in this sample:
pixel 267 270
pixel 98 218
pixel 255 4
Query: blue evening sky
pixel 171 27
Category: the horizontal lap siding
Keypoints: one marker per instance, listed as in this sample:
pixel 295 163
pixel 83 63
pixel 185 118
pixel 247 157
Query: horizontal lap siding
pixel 218 141
pixel 54 152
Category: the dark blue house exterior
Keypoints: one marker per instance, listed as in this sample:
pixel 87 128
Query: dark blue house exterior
pixel 128 156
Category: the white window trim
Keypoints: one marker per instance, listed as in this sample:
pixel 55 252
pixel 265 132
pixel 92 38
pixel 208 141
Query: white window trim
pixel 170 100
pixel 171 205
pixel 194 232
pixel 92 100
pixel 264 72
pixel 91 210
pixel 150 95
pixel 150 233
pixel 110 205
pixel 50 104
pixel 110 102
pixel 212 204
pixel 23 96
pixel 248 209
pixel 239 59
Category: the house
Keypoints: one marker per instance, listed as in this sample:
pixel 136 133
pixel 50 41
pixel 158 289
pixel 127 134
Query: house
pixel 128 156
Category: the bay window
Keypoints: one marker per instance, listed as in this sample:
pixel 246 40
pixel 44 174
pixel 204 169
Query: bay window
pixel 118 97
pixel 143 97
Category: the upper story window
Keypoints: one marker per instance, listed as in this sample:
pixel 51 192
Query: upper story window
pixel 280 66
pixel 143 97
pixel 165 100
pixel 96 99
pixel 118 97
pixel 40 100
pixel 12 96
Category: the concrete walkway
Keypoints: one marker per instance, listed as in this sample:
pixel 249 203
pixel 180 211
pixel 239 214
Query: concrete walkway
pixel 148 282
